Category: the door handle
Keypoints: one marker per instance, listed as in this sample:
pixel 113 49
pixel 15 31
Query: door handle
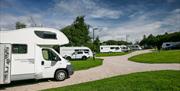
pixel 42 62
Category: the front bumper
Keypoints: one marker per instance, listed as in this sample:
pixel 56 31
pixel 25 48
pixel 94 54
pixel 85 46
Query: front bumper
pixel 70 69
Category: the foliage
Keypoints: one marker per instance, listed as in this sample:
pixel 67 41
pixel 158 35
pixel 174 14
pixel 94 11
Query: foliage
pixel 156 41
pixel 171 56
pixel 77 32
pixel 142 81
pixel 97 45
pixel 114 42
pixel 86 64
pixel 20 25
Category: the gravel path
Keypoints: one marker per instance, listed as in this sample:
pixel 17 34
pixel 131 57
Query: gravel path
pixel 112 66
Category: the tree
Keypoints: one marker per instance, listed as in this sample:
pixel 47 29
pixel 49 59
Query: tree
pixel 157 41
pixel 20 25
pixel 97 44
pixel 114 42
pixel 77 32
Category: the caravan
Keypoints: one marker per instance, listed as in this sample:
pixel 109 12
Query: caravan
pixel 171 45
pixel 135 47
pixel 76 52
pixel 27 54
pixel 110 48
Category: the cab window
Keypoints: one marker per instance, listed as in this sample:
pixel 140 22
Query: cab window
pixel 50 55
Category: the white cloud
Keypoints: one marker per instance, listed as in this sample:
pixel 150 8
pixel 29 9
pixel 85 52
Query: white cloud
pixel 171 1
pixel 85 7
pixel 141 25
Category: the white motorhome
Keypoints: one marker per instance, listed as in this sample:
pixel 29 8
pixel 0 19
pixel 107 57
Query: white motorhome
pixel 110 48
pixel 76 52
pixel 124 48
pixel 27 54
pixel 135 47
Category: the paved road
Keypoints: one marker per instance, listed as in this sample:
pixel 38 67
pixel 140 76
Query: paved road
pixel 112 66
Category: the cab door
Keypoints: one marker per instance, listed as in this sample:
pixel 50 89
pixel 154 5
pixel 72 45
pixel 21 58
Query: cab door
pixel 49 61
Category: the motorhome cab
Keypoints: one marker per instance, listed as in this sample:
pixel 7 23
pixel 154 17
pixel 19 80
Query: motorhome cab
pixel 27 54
pixel 110 48
pixel 76 52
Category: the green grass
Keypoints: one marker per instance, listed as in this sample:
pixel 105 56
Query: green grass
pixel 144 81
pixel 86 64
pixel 111 54
pixel 169 56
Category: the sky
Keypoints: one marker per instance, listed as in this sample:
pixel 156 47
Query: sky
pixel 115 19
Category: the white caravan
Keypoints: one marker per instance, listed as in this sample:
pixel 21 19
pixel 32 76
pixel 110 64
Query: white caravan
pixel 171 45
pixel 27 54
pixel 76 52
pixel 110 48
pixel 134 47
pixel 124 48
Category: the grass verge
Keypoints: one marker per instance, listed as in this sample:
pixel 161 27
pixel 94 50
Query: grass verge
pixel 86 64
pixel 144 81
pixel 165 56
pixel 111 54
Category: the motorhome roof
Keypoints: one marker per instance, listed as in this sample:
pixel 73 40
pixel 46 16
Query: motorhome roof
pixel 109 46
pixel 75 47
pixel 28 35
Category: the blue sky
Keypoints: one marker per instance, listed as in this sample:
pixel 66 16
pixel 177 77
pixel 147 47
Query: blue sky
pixel 114 18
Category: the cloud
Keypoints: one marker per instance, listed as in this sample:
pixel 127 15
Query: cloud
pixel 8 21
pixel 143 24
pixel 171 1
pixel 89 8
pixel 116 22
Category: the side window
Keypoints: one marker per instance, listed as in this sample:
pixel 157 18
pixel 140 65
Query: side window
pixel 46 34
pixel 117 48
pixel 50 55
pixel 111 47
pixel 79 52
pixel 86 51
pixel 19 48
pixel 167 44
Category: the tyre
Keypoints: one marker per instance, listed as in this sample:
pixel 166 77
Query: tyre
pixel 84 58
pixel 68 58
pixel 60 75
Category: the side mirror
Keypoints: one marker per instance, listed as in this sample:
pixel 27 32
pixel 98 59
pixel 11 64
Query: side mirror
pixel 57 59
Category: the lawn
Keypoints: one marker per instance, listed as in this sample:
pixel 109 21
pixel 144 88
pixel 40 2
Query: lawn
pixel 86 64
pixel 111 54
pixel 144 81
pixel 165 56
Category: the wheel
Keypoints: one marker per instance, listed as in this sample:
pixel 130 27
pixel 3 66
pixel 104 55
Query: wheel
pixel 68 58
pixel 84 58
pixel 60 75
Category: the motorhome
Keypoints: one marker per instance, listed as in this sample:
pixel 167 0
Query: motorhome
pixel 27 54
pixel 110 48
pixel 134 47
pixel 124 48
pixel 76 52
pixel 171 45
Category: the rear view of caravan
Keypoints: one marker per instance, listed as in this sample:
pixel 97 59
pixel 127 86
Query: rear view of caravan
pixel 28 54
